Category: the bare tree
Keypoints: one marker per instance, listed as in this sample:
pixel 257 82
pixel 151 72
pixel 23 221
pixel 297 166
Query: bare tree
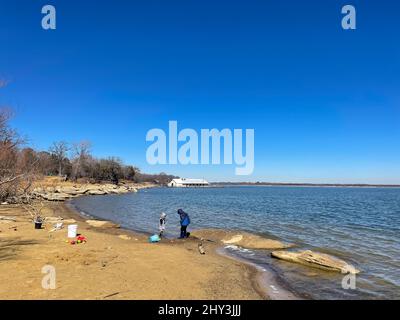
pixel 17 167
pixel 9 138
pixel 81 157
pixel 9 141
pixel 59 151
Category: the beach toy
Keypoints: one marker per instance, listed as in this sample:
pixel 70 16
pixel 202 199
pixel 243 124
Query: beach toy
pixel 154 238
pixel 72 230
pixel 81 239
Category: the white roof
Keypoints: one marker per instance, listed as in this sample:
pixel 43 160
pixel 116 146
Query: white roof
pixel 190 181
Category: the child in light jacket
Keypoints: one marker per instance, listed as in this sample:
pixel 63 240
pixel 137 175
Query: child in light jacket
pixel 162 223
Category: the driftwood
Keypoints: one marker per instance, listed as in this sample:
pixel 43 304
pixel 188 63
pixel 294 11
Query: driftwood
pixel 12 179
pixel 111 295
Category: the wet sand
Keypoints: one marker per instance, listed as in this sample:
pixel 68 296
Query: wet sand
pixel 266 281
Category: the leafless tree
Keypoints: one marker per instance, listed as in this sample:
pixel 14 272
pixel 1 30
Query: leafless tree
pixel 9 138
pixel 17 167
pixel 59 151
pixel 81 157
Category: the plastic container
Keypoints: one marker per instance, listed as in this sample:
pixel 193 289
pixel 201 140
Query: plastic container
pixel 155 238
pixel 72 230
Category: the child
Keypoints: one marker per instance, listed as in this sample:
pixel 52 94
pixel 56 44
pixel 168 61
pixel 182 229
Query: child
pixel 161 226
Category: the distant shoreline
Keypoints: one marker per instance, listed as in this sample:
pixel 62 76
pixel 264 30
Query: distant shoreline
pixel 272 184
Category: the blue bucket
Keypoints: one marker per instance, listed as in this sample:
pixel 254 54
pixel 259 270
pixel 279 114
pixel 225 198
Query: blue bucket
pixel 154 238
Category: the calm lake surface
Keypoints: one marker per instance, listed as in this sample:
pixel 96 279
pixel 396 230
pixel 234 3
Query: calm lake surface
pixel 359 225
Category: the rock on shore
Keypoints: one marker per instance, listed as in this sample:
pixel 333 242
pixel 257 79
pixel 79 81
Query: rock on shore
pixel 55 196
pixel 241 239
pixel 316 260
pixel 102 224
pixel 252 241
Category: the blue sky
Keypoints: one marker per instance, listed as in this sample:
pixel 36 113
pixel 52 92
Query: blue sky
pixel 324 102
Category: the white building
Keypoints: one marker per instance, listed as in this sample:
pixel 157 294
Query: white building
pixel 184 183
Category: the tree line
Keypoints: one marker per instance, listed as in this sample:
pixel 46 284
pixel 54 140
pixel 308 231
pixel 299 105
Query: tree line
pixel 21 165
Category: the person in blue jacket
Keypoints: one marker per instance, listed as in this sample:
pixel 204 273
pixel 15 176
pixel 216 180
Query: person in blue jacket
pixel 185 221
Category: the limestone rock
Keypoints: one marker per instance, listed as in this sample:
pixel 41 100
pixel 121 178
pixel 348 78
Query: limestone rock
pixel 65 192
pixel 241 239
pixel 71 190
pixel 252 241
pixel 234 239
pixel 124 237
pixel 55 196
pixel 38 190
pixel 60 219
pixel 95 192
pixel 316 260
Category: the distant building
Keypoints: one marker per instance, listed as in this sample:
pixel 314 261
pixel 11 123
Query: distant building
pixel 184 183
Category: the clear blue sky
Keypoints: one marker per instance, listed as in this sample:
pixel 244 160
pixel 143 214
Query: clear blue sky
pixel 324 102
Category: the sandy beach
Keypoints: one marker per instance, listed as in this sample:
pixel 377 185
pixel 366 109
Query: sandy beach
pixel 113 264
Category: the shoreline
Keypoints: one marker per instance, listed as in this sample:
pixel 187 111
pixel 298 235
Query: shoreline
pixel 263 281
pixel 255 274
pixel 253 279
pixel 115 263
pixel 258 277
pixel 266 279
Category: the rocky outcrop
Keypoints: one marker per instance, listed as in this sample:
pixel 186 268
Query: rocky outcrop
pixel 62 193
pixel 124 237
pixel 102 224
pixel 316 260
pixel 55 196
pixel 251 241
pixel 95 192
pixel 74 191
pixel 241 239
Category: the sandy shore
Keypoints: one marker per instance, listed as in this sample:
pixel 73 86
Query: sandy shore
pixel 111 267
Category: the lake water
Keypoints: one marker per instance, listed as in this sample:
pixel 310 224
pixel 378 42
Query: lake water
pixel 358 225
